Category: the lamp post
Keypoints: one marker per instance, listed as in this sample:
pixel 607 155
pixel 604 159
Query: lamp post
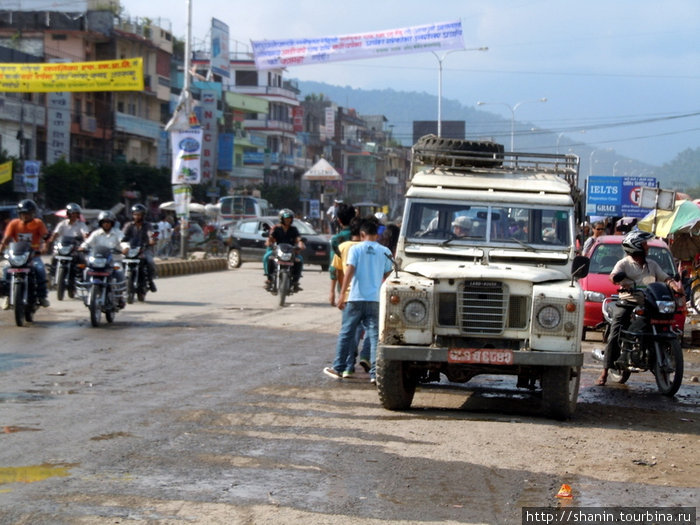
pixel 560 135
pixel 512 114
pixel 440 60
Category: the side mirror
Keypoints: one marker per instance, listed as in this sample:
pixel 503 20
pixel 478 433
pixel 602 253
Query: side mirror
pixel 579 266
pixel 265 234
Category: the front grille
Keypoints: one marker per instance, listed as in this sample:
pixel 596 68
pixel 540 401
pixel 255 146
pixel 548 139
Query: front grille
pixel 482 307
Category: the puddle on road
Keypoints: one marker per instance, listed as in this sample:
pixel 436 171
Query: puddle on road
pixel 11 361
pixel 24 397
pixel 34 473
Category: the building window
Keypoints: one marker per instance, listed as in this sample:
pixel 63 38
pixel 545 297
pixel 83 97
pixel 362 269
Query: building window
pixel 246 78
pixel 120 107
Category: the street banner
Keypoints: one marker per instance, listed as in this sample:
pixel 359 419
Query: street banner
pixel 208 121
pixel 616 196
pixel 6 172
pixel 103 75
pixel 58 120
pixel 31 175
pixel 187 150
pixel 220 61
pixel 181 196
pixel 271 54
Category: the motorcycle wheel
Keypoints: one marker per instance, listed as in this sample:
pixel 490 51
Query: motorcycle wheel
pixel 234 258
pixel 695 298
pixel 141 296
pixel 18 300
pixel 283 287
pixel 60 282
pixel 560 386
pixel 130 291
pixel 109 315
pixel 669 378
pixel 95 310
pixel 619 376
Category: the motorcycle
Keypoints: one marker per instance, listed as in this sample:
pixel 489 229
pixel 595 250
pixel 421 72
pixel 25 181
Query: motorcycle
pixel 100 290
pixel 135 273
pixel 650 341
pixel 21 286
pixel 65 271
pixel 283 258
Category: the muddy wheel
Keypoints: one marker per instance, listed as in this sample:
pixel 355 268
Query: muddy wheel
pixel 560 390
pixel 234 258
pixel 619 376
pixel 94 306
pixel 283 287
pixel 109 316
pixel 18 300
pixel 395 384
pixel 60 282
pixel 669 374
pixel 130 288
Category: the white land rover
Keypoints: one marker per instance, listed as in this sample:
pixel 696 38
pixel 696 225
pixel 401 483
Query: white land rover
pixel 485 281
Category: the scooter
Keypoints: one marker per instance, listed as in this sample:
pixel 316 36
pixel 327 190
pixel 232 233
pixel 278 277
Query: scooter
pixel 101 292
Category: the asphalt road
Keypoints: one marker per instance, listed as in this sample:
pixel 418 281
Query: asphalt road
pixel 206 404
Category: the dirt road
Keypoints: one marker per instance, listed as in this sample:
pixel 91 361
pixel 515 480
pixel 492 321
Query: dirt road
pixel 207 404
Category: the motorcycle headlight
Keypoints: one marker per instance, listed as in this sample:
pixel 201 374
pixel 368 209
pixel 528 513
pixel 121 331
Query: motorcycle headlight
pixel 415 312
pixel 549 317
pixel 666 307
pixel 284 256
pixel 133 252
pixel 593 297
pixel 97 262
pixel 64 250
pixel 18 259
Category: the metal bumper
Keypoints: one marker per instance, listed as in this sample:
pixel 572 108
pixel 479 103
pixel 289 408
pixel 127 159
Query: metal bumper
pixel 439 355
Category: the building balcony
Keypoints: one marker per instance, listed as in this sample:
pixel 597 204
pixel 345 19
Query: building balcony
pixel 268 125
pixel 289 96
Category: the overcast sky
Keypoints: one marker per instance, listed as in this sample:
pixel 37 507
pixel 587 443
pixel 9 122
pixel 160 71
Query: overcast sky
pixel 602 65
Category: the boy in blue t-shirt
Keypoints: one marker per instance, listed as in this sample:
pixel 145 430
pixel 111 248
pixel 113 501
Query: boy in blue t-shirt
pixel 368 264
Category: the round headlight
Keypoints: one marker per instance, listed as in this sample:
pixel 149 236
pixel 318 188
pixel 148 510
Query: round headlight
pixel 549 317
pixel 415 312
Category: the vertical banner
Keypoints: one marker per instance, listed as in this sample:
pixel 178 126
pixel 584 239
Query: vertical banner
pixel 209 125
pixel 181 197
pixel 31 176
pixel 220 64
pixel 330 123
pixel 186 147
pixel 6 172
pixel 58 126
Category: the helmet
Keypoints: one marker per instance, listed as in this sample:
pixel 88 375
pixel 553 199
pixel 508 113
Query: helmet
pixel 286 213
pixel 73 208
pixel 26 206
pixel 463 222
pixel 106 216
pixel 634 241
pixel 138 208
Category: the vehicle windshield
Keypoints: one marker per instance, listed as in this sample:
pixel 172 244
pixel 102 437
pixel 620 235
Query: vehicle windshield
pixel 605 256
pixel 455 222
pixel 303 227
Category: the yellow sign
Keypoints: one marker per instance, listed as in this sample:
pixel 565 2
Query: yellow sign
pixel 104 75
pixel 5 172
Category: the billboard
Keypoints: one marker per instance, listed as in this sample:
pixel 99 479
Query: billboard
pixel 220 64
pixel 271 54
pixel 616 196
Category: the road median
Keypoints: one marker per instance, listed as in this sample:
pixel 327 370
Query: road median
pixel 174 267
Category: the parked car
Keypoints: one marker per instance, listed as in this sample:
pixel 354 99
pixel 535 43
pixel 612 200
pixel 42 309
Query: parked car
pixel 248 236
pixel 604 254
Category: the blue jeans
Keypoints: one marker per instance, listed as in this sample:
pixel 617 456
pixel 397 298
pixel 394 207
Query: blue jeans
pixel 365 353
pixel 40 274
pixel 354 313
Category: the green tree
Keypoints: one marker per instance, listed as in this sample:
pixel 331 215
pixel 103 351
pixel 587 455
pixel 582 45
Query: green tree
pixel 280 196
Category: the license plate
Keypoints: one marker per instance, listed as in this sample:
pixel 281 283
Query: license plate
pixel 484 356
pixel 321 253
pixel 18 270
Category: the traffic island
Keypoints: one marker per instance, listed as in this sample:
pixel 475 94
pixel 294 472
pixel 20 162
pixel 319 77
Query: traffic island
pixel 174 267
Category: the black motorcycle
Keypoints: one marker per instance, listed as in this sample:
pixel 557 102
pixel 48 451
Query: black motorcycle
pixel 135 273
pixel 650 341
pixel 101 291
pixel 21 286
pixel 282 260
pixel 65 269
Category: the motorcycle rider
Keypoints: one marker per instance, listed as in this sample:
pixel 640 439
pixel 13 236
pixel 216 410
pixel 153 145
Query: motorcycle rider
pixel 33 230
pixel 284 232
pixel 71 226
pixel 109 236
pixel 138 233
pixel 633 272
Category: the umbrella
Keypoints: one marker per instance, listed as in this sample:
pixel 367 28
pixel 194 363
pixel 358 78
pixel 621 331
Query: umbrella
pixel 668 222
pixel 686 245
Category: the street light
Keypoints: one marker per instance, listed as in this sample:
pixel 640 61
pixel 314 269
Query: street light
pixel 440 60
pixel 560 135
pixel 512 114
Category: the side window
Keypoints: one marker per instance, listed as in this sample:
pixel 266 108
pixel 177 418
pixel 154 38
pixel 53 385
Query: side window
pixel 249 227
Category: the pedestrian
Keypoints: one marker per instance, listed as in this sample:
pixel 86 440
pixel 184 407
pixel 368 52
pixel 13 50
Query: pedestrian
pixel 332 214
pixel 598 230
pixel 368 264
pixel 345 214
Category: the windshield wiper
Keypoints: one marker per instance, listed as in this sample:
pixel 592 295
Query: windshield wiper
pixel 523 244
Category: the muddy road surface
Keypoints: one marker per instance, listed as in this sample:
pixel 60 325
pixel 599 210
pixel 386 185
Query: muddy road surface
pixel 207 404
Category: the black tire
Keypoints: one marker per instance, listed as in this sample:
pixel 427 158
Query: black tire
pixel 141 296
pixel 324 267
pixel 669 379
pixel 18 300
pixel 695 298
pixel 283 287
pixel 395 385
pixel 560 386
pixel 234 258
pixel 94 307
pixel 29 315
pixel 433 146
pixel 61 282
pixel 130 288
pixel 109 315
pixel 583 333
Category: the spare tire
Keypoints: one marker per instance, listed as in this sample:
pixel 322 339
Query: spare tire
pixel 441 151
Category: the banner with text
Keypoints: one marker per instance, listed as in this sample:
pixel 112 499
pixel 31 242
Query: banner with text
pixel 220 61
pixel 616 196
pixel 6 172
pixel 104 75
pixel 187 150
pixel 271 54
